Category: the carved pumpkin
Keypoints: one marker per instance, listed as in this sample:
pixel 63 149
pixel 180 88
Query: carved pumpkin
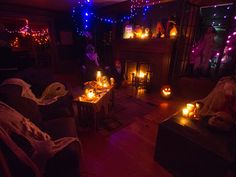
pixel 166 91
pixel 90 93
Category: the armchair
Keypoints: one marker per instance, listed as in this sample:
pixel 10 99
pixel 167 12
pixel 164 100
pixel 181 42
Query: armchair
pixel 66 162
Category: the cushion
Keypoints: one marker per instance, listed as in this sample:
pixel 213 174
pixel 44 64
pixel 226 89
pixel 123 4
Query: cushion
pixel 11 95
pixel 61 108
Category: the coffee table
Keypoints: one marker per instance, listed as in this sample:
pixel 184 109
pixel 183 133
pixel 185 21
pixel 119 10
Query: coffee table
pixel 90 108
pixel 189 148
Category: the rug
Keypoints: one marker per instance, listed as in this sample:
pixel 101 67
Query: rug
pixel 125 111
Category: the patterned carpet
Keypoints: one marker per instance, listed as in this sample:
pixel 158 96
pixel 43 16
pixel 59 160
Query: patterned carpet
pixel 126 110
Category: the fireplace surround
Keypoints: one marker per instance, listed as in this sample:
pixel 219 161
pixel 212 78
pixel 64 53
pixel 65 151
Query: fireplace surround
pixel 153 55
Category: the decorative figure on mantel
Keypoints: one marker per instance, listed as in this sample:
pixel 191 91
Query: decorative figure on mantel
pixel 160 32
pixel 169 25
pixel 203 51
pixel 128 32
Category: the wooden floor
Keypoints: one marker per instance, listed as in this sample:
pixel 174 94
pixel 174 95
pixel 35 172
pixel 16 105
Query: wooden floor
pixel 129 151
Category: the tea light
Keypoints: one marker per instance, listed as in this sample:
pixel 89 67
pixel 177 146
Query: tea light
pixel 190 107
pixel 197 105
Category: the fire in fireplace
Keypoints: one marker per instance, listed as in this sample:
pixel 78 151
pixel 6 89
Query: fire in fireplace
pixel 138 73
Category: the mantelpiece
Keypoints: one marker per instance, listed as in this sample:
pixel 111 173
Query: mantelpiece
pixel 156 52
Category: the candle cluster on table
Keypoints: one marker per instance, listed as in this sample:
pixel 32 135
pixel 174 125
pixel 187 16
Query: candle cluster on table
pixel 103 81
pixel 191 110
pixel 93 89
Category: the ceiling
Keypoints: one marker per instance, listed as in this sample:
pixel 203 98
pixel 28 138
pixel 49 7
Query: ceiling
pixel 59 5
pixel 65 5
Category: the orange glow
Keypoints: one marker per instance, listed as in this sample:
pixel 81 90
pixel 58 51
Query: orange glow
pixel 166 91
pixel 141 74
pixel 164 105
pixel 173 32
pixel 190 107
pixel 185 112
pixel 183 121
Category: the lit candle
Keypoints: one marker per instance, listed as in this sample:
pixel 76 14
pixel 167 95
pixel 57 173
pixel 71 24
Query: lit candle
pixel 112 81
pixel 99 75
pixel 185 112
pixel 197 105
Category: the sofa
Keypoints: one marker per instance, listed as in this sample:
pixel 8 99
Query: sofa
pixel 56 120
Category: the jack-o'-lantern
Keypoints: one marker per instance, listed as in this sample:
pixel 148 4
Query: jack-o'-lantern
pixel 166 91
pixel 90 93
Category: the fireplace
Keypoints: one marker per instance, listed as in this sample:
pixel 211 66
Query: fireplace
pixel 149 59
pixel 138 74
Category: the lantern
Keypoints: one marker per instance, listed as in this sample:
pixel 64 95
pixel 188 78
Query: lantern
pixel 128 32
pixel 166 91
pixel 112 81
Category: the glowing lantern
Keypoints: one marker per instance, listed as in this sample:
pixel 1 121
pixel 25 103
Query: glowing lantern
pixel 166 91
pixel 128 32
pixel 112 81
pixel 173 31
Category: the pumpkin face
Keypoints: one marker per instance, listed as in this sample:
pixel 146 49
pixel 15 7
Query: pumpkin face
pixel 90 93
pixel 166 91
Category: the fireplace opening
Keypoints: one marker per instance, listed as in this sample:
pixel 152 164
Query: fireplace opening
pixel 138 73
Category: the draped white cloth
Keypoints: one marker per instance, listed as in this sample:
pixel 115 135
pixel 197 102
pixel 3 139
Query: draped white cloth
pixel 49 96
pixel 12 122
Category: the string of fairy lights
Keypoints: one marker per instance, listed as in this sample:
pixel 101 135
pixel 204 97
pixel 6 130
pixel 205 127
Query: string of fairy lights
pixel 40 37
pixel 82 13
